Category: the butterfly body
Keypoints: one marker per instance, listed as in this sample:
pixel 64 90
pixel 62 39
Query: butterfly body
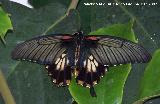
pixel 85 57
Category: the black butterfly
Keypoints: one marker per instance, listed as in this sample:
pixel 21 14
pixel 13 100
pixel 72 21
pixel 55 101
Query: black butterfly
pixel 87 57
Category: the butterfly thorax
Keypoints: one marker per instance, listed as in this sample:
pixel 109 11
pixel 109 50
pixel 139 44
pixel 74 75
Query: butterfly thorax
pixel 78 37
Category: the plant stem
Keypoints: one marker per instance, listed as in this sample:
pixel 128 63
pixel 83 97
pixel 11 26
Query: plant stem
pixel 72 5
pixel 4 42
pixel 4 90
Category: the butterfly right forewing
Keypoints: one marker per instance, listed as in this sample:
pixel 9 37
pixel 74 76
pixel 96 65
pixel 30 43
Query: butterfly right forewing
pixel 115 51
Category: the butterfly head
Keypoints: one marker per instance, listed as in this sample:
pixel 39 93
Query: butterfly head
pixel 78 33
pixel 78 36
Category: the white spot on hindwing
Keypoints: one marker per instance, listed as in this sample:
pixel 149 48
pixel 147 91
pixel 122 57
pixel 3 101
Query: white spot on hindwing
pixel 54 80
pixel 93 67
pixel 91 57
pixel 84 63
pixel 60 62
pixel 63 55
pixel 63 64
pixel 96 63
pixel 57 61
pixel 91 64
pixel 106 65
pixel 34 61
pixel 47 67
pixel 67 61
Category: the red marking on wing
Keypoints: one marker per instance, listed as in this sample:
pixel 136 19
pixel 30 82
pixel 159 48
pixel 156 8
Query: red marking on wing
pixel 66 37
pixel 91 38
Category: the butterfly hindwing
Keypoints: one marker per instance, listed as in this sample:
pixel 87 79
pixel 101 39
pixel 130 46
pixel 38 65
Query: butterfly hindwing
pixel 60 71
pixel 89 70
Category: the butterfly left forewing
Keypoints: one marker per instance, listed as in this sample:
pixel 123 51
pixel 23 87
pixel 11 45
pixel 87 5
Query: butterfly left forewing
pixel 42 49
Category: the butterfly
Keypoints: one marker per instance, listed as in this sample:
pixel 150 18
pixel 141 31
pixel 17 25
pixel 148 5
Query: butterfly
pixel 85 57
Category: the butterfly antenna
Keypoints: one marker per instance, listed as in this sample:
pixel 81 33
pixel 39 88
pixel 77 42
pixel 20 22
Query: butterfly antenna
pixel 92 92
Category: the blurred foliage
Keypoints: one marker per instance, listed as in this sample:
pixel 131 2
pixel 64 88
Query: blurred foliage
pixel 150 83
pixel 5 24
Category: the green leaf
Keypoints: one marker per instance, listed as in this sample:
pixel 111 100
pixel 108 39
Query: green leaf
pixel 110 88
pixel 5 24
pixel 150 83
